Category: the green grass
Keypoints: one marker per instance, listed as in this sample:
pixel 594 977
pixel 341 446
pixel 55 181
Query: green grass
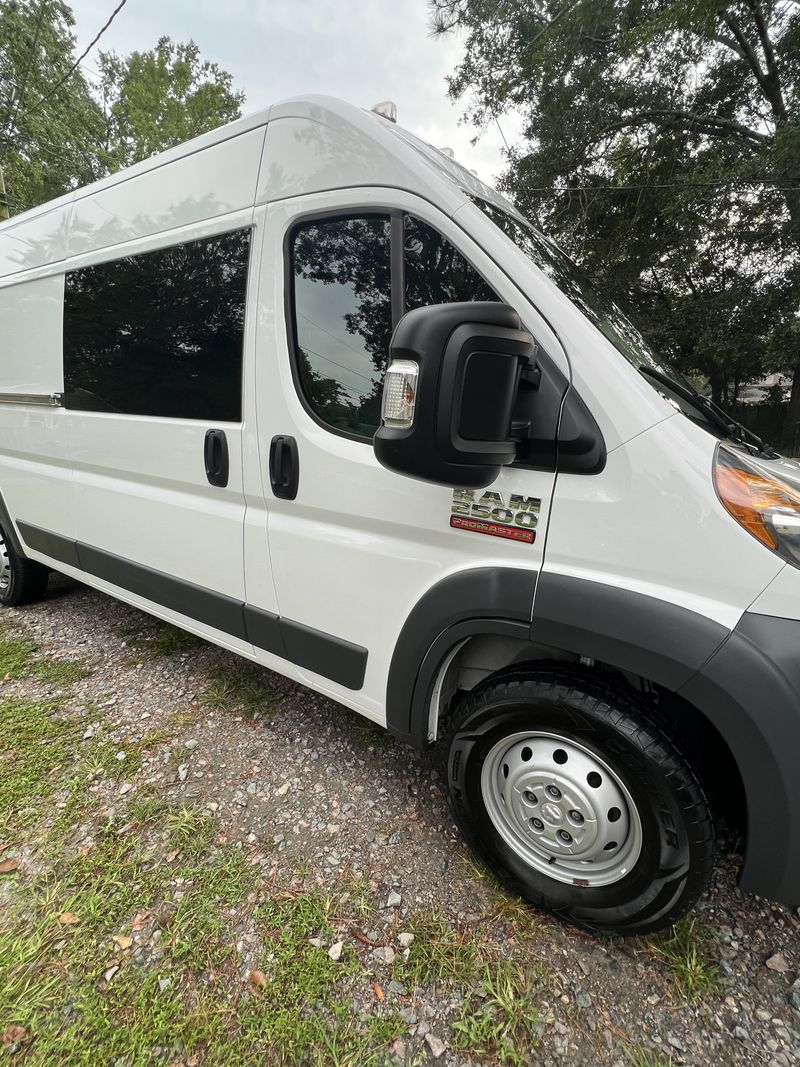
pixel 296 1017
pixel 15 652
pixel 500 1020
pixel 236 685
pixel 34 750
pixel 153 639
pixel 52 976
pixel 440 952
pixel 18 659
pixel 686 952
pixel 645 1057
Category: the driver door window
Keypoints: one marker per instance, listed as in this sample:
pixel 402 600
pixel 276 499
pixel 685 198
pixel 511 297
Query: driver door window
pixel 344 277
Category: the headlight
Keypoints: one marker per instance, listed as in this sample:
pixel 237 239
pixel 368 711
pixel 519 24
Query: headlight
pixel 766 507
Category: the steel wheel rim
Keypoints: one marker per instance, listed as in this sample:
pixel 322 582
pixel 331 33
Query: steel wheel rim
pixel 5 565
pixel 561 808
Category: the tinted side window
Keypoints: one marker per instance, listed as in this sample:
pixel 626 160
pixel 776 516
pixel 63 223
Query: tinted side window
pixel 343 318
pixel 435 272
pixel 159 333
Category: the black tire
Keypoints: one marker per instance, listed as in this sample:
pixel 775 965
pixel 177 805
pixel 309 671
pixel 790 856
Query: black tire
pixel 22 581
pixel 675 835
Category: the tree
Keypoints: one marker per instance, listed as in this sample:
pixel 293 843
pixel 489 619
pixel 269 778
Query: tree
pixel 58 132
pixel 48 131
pixel 662 148
pixel 154 100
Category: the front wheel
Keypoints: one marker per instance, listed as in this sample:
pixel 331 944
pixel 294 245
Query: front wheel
pixel 21 580
pixel 578 800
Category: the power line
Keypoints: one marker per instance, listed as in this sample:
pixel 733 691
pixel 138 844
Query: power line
pixel 80 58
pixel 716 183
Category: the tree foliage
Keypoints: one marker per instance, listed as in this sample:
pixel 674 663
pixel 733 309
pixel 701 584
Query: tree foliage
pixel 48 139
pixel 153 100
pixel 57 135
pixel 662 149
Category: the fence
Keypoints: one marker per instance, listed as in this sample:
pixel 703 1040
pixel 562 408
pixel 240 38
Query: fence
pixel 768 421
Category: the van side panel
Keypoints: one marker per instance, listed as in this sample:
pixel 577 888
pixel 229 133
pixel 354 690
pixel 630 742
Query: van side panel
pixel 36 240
pixel 34 459
pixel 30 347
pixel 198 187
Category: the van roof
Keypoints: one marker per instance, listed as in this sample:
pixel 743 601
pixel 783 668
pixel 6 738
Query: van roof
pixel 326 110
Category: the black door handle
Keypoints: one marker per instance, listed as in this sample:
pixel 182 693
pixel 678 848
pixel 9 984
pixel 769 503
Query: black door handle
pixel 215 452
pixel 284 467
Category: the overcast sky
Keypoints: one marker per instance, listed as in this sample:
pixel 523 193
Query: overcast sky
pixel 280 48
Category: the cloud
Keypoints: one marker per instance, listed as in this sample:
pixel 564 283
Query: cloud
pixel 278 48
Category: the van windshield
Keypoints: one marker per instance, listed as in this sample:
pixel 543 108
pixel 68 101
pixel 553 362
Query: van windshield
pixel 615 326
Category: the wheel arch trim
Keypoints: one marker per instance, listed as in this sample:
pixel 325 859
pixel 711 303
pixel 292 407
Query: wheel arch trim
pixel 732 678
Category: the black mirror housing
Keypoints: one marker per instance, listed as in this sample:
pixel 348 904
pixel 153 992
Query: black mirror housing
pixel 470 358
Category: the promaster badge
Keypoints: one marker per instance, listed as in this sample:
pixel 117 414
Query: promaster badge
pixel 515 520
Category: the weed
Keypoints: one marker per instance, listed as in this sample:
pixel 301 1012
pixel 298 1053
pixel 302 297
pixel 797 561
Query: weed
pixel 33 751
pixel 59 671
pixel 18 660
pixel 440 951
pixel 500 1020
pixel 645 1057
pixel 236 685
pixel 686 952
pixel 154 639
pixel 190 830
pixel 14 654
pixel 146 806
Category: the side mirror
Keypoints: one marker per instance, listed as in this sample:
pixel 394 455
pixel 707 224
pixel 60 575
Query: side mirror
pixel 450 391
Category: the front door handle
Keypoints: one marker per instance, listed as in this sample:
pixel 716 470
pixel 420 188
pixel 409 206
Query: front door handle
pixel 215 453
pixel 284 467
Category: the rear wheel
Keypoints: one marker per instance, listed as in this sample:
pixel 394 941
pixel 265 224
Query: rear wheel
pixel 21 580
pixel 578 800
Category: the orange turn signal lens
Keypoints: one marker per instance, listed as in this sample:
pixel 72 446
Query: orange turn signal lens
pixel 764 506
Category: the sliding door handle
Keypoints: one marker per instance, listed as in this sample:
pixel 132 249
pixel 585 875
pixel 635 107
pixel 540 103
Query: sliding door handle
pixel 215 453
pixel 284 467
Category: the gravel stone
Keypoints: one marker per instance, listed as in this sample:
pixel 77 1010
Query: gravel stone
pixel 301 784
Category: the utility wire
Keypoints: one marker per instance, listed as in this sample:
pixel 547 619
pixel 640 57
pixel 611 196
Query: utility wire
pixel 78 61
pixel 716 183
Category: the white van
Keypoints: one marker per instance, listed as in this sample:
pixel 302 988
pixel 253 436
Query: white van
pixel 307 388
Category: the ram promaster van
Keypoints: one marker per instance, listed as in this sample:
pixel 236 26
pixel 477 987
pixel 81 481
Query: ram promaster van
pixel 307 388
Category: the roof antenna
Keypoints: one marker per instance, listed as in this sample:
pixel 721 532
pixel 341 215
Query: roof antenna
pixel 387 109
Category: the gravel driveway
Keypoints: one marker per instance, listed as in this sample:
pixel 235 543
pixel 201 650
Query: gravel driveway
pixel 413 955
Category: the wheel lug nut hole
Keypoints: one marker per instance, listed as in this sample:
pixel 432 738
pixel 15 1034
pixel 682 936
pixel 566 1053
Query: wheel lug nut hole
pixel 565 836
pixel 576 817
pixel 526 754
pixel 611 845
pixel 594 779
pixel 537 825
pixel 554 792
pixel 613 814
pixel 560 756
pixel 530 797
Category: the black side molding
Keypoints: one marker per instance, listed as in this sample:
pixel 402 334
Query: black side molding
pixel 340 661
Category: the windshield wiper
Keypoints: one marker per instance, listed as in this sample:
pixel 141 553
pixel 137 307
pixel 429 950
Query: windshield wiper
pixel 729 428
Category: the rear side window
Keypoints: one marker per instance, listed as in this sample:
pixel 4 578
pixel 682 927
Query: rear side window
pixel 353 277
pixel 159 333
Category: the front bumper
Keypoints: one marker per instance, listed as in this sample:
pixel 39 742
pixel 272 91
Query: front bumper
pixel 750 690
